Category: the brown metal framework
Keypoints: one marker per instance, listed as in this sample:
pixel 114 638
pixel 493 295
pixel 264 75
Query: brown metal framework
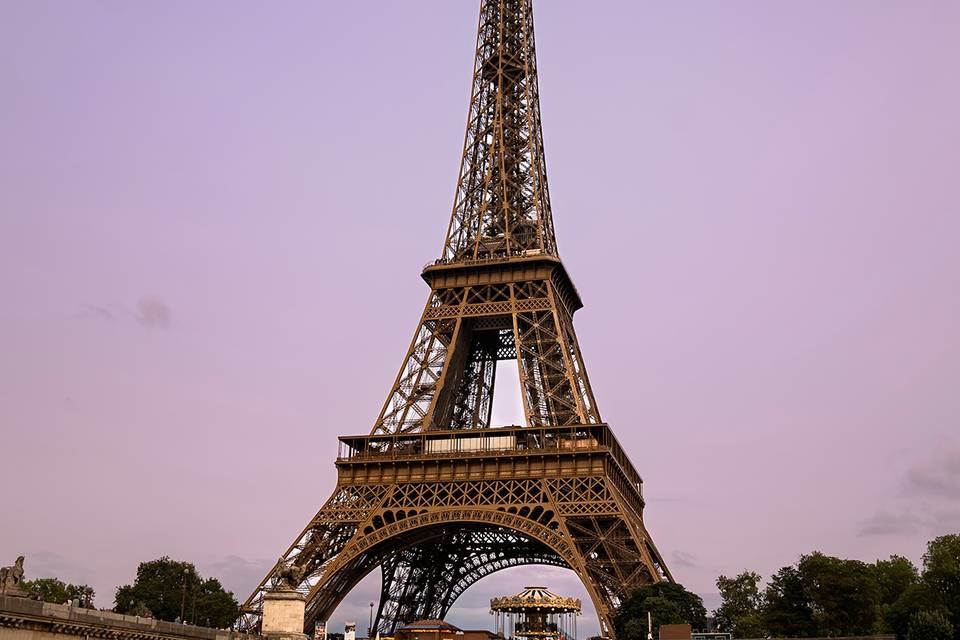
pixel 436 495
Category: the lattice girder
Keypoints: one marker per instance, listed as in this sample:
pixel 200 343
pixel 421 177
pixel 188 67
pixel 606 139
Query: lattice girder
pixel 502 203
pixel 447 380
pixel 465 556
pixel 433 539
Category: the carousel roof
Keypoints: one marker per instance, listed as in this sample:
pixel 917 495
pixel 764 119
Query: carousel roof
pixel 534 599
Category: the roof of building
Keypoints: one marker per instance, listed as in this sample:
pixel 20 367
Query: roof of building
pixel 430 624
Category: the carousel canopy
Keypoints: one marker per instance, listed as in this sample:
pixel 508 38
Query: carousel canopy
pixel 535 599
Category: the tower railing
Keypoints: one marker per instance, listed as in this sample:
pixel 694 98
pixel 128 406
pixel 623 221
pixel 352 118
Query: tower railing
pixel 482 443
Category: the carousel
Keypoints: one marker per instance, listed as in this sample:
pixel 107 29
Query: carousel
pixel 536 614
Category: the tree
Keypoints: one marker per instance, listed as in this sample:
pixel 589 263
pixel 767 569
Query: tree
pixel 929 624
pixel 58 592
pixel 162 586
pixel 914 598
pixel 667 602
pixel 893 576
pixel 173 590
pixel 635 629
pixel 822 596
pixel 843 594
pixel 941 574
pixel 215 606
pixel 787 611
pixel 741 602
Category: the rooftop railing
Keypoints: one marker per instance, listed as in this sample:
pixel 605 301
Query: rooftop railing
pixel 503 441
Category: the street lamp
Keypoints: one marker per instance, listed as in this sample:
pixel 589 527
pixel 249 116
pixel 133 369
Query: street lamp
pixel 183 597
pixel 370 627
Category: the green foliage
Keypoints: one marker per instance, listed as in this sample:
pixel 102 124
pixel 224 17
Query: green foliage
pixel 842 594
pixel 139 609
pixel 941 574
pixel 893 577
pixel 787 612
pixel 751 626
pixel 741 600
pixel 634 629
pixel 162 586
pixel 667 602
pixel 47 589
pixel 58 592
pixel 896 617
pixel 929 625
pixel 168 588
pixel 825 596
pixel 215 606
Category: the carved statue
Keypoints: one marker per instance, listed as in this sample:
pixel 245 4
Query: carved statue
pixel 11 577
pixel 290 577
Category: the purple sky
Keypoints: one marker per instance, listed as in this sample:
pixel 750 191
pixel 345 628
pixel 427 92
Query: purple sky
pixel 213 216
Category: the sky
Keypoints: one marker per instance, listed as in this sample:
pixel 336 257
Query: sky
pixel 213 216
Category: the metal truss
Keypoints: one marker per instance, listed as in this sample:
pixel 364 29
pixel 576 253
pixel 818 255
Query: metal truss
pixel 432 540
pixel 447 378
pixel 424 580
pixel 502 203
pixel 436 495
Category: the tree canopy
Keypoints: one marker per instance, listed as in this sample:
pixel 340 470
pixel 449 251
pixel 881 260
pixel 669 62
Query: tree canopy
pixel 742 600
pixel 59 592
pixel 941 574
pixel 668 603
pixel 929 625
pixel 173 590
pixel 823 596
pixel 842 594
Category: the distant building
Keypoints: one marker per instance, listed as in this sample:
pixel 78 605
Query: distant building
pixel 478 634
pixel 675 632
pixel 440 630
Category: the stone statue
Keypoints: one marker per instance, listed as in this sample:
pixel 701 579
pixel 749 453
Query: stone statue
pixel 290 577
pixel 10 579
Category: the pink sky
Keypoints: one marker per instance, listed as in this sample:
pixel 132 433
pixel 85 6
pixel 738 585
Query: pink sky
pixel 213 216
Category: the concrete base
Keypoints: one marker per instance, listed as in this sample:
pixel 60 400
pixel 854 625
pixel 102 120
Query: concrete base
pixel 283 612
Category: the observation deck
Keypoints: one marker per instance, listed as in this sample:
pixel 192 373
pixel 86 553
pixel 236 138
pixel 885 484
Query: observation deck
pixel 498 269
pixel 493 453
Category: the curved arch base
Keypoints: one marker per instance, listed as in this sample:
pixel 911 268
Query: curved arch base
pixel 431 549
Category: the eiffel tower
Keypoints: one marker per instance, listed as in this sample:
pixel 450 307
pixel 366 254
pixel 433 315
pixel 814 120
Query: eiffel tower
pixel 436 495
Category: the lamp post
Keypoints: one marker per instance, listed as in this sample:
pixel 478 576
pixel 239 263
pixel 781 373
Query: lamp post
pixel 370 626
pixel 183 597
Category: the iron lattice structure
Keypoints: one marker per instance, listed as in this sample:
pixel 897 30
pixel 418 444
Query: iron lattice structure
pixel 435 495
